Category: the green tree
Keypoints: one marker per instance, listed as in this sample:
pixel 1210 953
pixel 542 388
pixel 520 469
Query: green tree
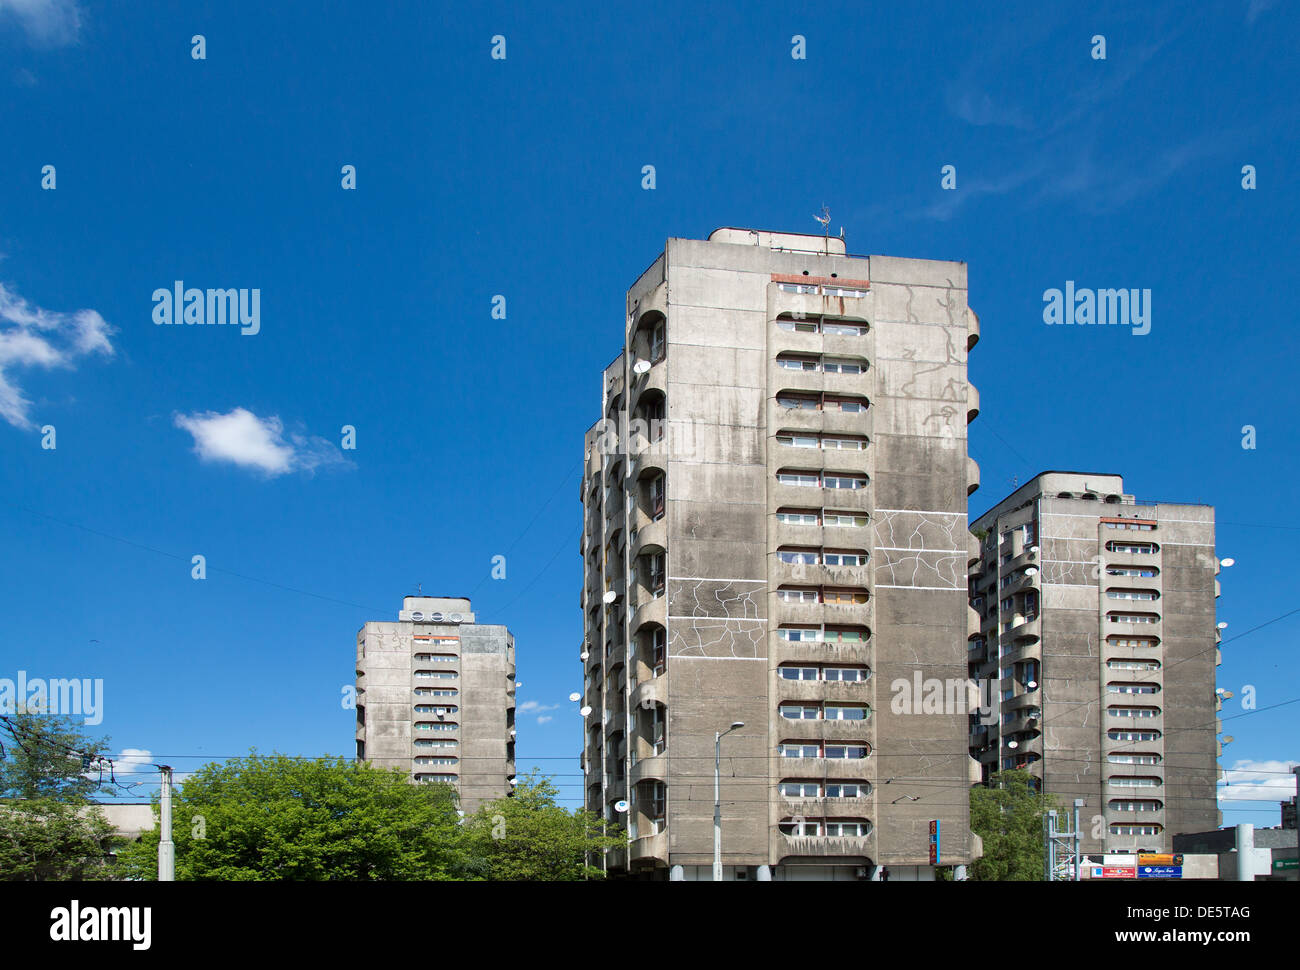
pixel 1008 816
pixel 529 837
pixel 49 828
pixel 274 817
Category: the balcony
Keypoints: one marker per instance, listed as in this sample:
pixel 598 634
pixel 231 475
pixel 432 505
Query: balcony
pixel 820 846
pixel 815 730
pixel 823 690
pixel 972 476
pixel 650 849
pixel 972 403
pixel 972 329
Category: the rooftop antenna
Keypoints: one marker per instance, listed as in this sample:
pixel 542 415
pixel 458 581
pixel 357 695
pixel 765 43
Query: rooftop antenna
pixel 825 220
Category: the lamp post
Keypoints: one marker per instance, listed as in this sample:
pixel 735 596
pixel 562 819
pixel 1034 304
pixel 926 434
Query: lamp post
pixel 717 799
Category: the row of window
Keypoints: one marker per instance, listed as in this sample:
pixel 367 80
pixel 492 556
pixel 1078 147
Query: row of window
pixel 813 634
pixel 831 751
pixel 436 691
pixel 1134 759
pixel 1134 781
pixel 827 365
pixel 824 789
pixel 849 480
pixel 1132 664
pixel 833 597
pixel 1133 617
pixel 436 658
pixel 821 289
pixel 1138 548
pixel 827 557
pixel 1133 711
pixel 824 441
pixel 1119 687
pixel 825 828
pixel 824 672
pixel 1136 526
pixel 443 726
pixel 1121 735
pixel 435 778
pixel 823 326
pixel 825 712
pixel 1118 829
pixel 1141 571
pixel 822 402
pixel 1132 594
pixel 815 517
pixel 1136 805
pixel 432 760
pixel 1133 642
pixel 436 709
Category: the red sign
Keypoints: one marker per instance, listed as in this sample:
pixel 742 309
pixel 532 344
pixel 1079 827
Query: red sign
pixel 1118 872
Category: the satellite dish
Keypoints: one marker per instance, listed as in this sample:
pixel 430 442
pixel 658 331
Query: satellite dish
pixel 1013 744
pixel 1032 684
pixel 1031 571
pixel 510 780
pixel 584 711
pixel 1223 626
pixel 1033 549
pixel 583 656
pixel 1227 562
pixel 575 696
pixel 620 805
pixel 610 596
pixel 641 367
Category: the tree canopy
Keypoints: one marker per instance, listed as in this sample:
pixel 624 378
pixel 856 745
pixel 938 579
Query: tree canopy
pixel 1008 816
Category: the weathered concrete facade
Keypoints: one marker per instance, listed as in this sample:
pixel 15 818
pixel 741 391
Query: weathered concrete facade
pixel 1097 627
pixel 436 697
pixel 775 532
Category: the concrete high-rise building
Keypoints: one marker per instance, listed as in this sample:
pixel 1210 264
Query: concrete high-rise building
pixel 1097 631
pixel 775 533
pixel 436 697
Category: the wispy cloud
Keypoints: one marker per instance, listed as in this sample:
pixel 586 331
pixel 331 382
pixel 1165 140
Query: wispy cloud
pixel 241 438
pixel 978 108
pixel 130 760
pixel 1257 7
pixel 544 718
pixel 1265 781
pixel 47 23
pixel 535 707
pixel 31 336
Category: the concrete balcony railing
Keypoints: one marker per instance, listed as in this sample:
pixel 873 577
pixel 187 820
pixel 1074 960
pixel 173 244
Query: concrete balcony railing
pixel 973 551
pixel 972 622
pixel 650 691
pixel 784 651
pixel 650 848
pixel 650 536
pixel 972 403
pixel 649 611
pixel 972 476
pixel 845 769
pixel 823 846
pixel 810 730
pixel 653 767
pixel 972 328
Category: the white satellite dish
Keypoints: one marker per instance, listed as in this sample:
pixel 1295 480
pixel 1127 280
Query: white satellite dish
pixel 1013 744
pixel 620 805
pixel 584 711
pixel 1032 684
pixel 583 656
pixel 610 596
pixel 575 696
pixel 641 367
pixel 1223 626
pixel 1031 571
pixel 1227 562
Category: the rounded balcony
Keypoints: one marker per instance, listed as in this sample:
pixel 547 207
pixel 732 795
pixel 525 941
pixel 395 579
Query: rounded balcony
pixel 972 403
pixel 649 611
pixel 972 328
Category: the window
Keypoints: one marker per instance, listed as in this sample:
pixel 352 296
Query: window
pixel 1136 805
pixel 846 558
pixel 853 750
pixel 1119 735
pixel 802 827
pixel 437 658
pixel 1134 781
pixel 1141 571
pixel 1132 594
pixel 797 441
pixel 436 761
pixel 846 674
pixel 797 634
pixel 1134 711
pixel 843 829
pixel 659 650
pixel 836 366
pixel 797 750
pixel 841 519
pixel 847 712
pixel 844 443
pixel 1133 642
pixel 844 481
pixel 1007 604
pixel 1116 687
pixel 799 712
pixel 797 326
pixel 845 635
pixel 797 363
pixel 844 329
pixel 1133 617
pixel 798 673
pixel 1117 829
pixel 1135 526
pixel 433 779
pixel 798 518
pixel 798 402
pixel 797 478
pixel 797 595
pixel 847 405
pixel 657 498
pixel 1133 664
pixel 808 557
pixel 653 567
pixel 800 789
pixel 1138 548
pixel 847 789
pixel 844 597
pixel 1134 759
pixel 657 343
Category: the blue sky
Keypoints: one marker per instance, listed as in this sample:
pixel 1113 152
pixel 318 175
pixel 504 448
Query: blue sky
pixel 523 177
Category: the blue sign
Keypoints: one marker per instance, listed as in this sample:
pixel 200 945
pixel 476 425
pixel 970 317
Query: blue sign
pixel 1160 872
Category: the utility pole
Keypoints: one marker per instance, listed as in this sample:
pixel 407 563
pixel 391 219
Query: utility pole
pixel 1078 861
pixel 166 848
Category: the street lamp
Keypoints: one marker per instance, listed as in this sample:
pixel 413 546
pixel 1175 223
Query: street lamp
pixel 717 799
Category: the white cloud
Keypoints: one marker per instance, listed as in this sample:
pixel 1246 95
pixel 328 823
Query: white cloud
pixel 535 707
pixel 242 438
pixel 31 336
pixel 1257 7
pixel 48 23
pixel 544 719
pixel 130 760
pixel 1265 781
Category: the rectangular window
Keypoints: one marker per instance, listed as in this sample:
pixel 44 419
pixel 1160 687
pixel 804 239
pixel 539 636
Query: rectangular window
pixel 846 751
pixel 797 595
pixel 797 441
pixel 844 789
pixel 797 518
pixel 799 751
pixel 800 789
pixel 798 673
pixel 799 712
pixel 845 481
pixel 842 520
pixel 846 712
pixel 845 674
pixel 793 478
